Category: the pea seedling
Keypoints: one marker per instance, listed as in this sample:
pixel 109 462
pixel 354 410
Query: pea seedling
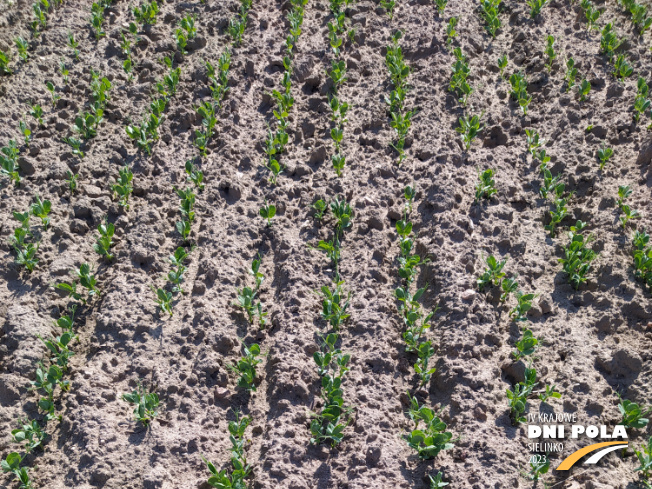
pixel 633 414
pixel 486 185
pixel 246 367
pixel 577 257
pixel 525 346
pixel 104 242
pixel 146 404
pixel 268 211
pixel 41 209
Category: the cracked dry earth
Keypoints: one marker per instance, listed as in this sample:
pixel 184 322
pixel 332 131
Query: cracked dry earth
pixel 595 342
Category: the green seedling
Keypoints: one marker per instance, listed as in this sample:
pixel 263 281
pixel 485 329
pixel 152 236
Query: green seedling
pixel 183 228
pixel 9 162
pixel 72 181
pixel 550 392
pixel 104 242
pixel 584 89
pixel 493 274
pixel 36 111
pixel 74 45
pixel 609 41
pixel 624 192
pixel 628 214
pixel 525 346
pixel 123 187
pixel 550 52
pixel 641 102
pixel 633 414
pixel 469 129
pixel 320 208
pixel 146 13
pixel 26 132
pixel 604 153
pixel 194 175
pixel 523 305
pixel 560 211
pixel 451 33
pixel 502 64
pixel 517 398
pixel 489 12
pixel 644 456
pixel 577 257
pixel 425 352
pixel 437 482
pixel 163 299
pixel 642 257
pixel 536 6
pixel 592 15
pixel 146 404
pixel 433 438
pixel 26 255
pixel 571 74
pixel 268 211
pixel 23 47
pixel 58 347
pixel 508 286
pixel 441 5
pixel 55 96
pixel 4 64
pixel 11 463
pixel 41 209
pixel 539 466
pixel 335 303
pixel 97 20
pixel 486 185
pixel 75 146
pixel 246 367
pixel 182 40
pixel 30 434
pixel 64 71
pixel 519 91
pixel 533 142
pixel 622 68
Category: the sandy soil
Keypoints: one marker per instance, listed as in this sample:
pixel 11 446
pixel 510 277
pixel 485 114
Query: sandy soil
pixel 595 342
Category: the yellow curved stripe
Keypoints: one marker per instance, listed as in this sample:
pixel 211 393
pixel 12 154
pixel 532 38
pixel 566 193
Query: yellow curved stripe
pixel 575 456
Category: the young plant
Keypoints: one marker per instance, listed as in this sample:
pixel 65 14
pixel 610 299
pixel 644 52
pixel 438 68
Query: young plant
pixel 146 404
pixel 74 45
pixel 502 64
pixel 9 162
pixel 335 303
pixel 23 46
pixel 560 211
pixel 622 68
pixel 642 257
pixel 320 208
pixel 489 12
pixel 609 41
pixel 641 102
pixel 644 456
pixel 536 6
pixel 633 414
pixel 523 305
pixel 425 352
pixel 268 211
pixel 75 146
pixel 519 91
pixel 146 13
pixel 577 257
pixel 538 468
pixel 26 132
pixel 55 96
pixel 525 346
pixel 41 209
pixel 4 64
pixel 104 242
pixel 493 273
pixel 71 181
pixel 97 20
pixel 451 33
pixel 550 392
pixel 571 74
pixel 486 185
pixel 433 438
pixel 388 5
pixel 36 111
pixel 163 299
pixel 246 367
pixel 11 463
pixel 123 188
pixel 508 286
pixel 604 153
pixel 584 89
pixel 441 5
pixel 194 175
pixel 517 398
pixel 533 142
pixel 550 52
pixel 30 434
pixel 241 469
pixel 469 129
pixel 437 482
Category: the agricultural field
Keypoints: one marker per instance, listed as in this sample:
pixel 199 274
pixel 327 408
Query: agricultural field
pixel 320 244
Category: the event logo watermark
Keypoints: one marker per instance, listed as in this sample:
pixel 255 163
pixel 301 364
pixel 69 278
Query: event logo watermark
pixel 551 429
